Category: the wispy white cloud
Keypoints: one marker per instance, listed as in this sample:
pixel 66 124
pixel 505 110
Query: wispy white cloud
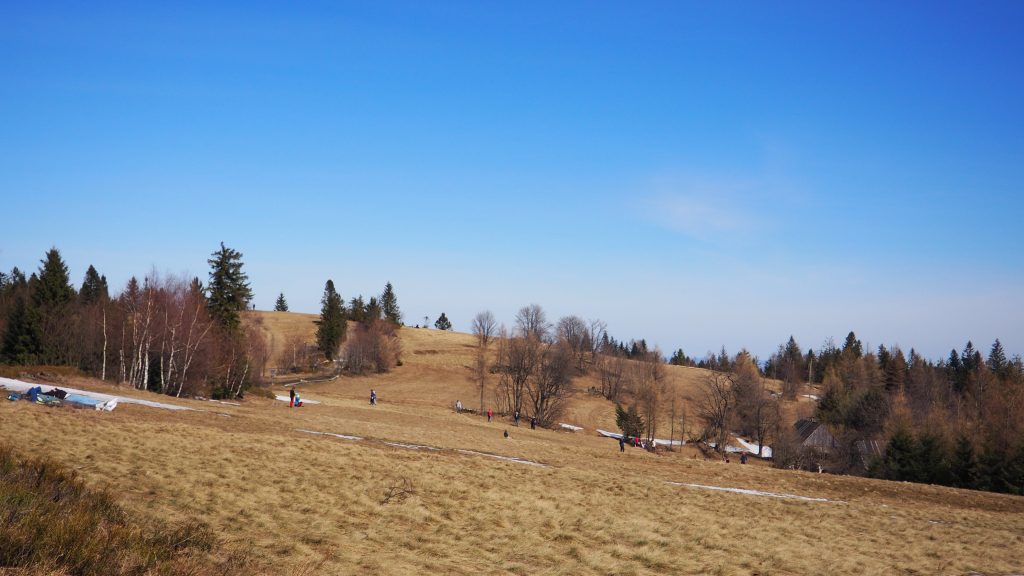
pixel 706 209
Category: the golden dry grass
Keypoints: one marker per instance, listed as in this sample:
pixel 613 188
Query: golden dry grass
pixel 311 503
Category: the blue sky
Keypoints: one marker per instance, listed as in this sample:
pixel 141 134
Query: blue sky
pixel 697 175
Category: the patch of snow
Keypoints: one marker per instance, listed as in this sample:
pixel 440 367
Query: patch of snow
pixel 608 434
pixel 288 399
pixel 663 442
pixel 227 403
pixel 570 427
pixel 505 458
pixel 730 449
pixel 756 492
pixel 811 396
pixel 411 446
pixel 22 387
pixel 341 436
pixel 751 447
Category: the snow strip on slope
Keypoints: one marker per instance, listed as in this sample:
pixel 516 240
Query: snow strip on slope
pixel 506 458
pixel 756 492
pixel 570 427
pixel 342 436
pixel 411 446
pixel 657 441
pixel 22 387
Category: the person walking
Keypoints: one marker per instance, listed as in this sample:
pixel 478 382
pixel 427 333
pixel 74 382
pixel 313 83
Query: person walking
pixel 516 417
pixel 291 397
pixel 622 444
pixel 458 406
pixel 533 423
pixel 373 397
pixel 490 414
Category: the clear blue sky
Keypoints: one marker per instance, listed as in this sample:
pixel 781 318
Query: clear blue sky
pixel 693 173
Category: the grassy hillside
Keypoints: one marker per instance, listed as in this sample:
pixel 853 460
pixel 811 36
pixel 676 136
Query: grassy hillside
pixel 411 487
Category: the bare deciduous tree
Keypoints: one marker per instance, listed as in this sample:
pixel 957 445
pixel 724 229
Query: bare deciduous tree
pixel 484 328
pixel 532 322
pixel 548 387
pixel 612 372
pixel 517 363
pixel 597 332
pixel 572 331
pixel 716 408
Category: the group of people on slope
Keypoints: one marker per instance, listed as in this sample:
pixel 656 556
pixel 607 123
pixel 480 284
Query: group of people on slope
pixel 490 415
pixel 295 401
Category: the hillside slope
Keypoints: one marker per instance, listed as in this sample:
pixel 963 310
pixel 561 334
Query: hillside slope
pixel 410 487
pixel 436 371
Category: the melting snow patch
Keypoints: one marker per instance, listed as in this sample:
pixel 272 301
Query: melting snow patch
pixel 811 396
pixel 570 427
pixel 766 451
pixel 411 446
pixel 756 492
pixel 506 458
pixel 342 436
pixel 22 387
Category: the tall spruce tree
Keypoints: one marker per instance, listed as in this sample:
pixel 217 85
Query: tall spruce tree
pixel 94 287
pixel 229 288
pixel 443 323
pixel 389 305
pixel 997 359
pixel 53 289
pixel 852 346
pixel 281 305
pixel 52 295
pixel 331 326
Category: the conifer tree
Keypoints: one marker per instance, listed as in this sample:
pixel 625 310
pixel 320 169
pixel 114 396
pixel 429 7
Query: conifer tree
pixel 94 287
pixel 52 295
pixel 331 326
pixel 964 464
pixel 21 340
pixel 967 357
pixel 899 462
pixel 357 309
pixel 895 370
pixel 443 323
pixel 629 421
pixel 229 287
pixel 852 346
pixel 389 305
pixel 53 289
pixel 997 359
pixel 373 310
pixel 281 305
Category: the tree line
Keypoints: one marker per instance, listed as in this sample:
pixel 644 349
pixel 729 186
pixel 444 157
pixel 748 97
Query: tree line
pixel 956 422
pixel 167 334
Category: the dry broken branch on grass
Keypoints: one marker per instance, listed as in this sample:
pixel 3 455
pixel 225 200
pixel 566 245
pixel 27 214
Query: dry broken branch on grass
pixel 397 491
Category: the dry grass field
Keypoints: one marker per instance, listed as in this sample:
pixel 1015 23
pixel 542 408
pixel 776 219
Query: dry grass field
pixel 416 489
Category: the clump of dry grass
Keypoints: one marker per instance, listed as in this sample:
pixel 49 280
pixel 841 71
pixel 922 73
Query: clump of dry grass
pixel 53 523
